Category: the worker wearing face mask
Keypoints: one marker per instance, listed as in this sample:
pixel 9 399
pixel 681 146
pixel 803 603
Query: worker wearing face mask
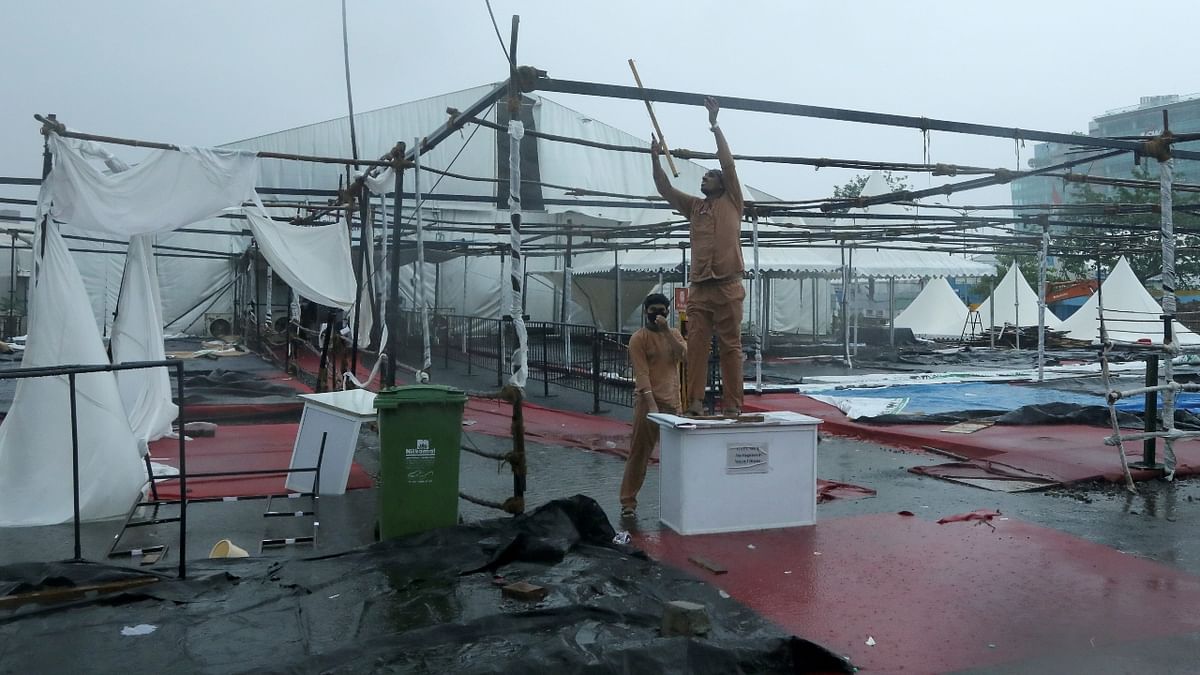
pixel 655 351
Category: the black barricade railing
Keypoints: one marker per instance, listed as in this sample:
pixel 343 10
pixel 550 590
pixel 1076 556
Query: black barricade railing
pixel 72 372
pixel 573 356
pixel 614 383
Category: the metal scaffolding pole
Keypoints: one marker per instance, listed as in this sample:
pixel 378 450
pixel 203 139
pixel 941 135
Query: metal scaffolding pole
pixel 892 311
pixel 616 290
pixel 1017 306
pixel 516 131
pixel 756 288
pixel 392 306
pixel 1166 176
pixel 1041 349
pixel 544 83
pixel 419 291
pixel 845 314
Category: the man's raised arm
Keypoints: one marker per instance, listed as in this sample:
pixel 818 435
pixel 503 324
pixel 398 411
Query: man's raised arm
pixel 676 198
pixel 729 173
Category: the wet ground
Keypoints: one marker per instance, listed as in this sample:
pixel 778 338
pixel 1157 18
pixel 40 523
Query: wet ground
pixel 1156 525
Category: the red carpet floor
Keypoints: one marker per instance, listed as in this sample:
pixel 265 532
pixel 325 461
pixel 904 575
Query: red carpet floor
pixel 591 432
pixel 936 598
pixel 235 448
pixel 1064 452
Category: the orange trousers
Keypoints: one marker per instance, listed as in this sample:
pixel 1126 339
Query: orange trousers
pixel 715 305
pixel 641 446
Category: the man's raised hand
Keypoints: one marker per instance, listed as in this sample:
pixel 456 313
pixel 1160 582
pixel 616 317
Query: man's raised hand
pixel 713 109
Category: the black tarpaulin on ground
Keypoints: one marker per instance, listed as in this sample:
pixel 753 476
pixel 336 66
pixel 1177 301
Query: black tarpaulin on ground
pixel 1040 413
pixel 40 576
pixel 426 603
pixel 223 384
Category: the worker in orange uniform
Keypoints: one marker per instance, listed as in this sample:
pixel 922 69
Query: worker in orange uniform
pixel 715 293
pixel 655 351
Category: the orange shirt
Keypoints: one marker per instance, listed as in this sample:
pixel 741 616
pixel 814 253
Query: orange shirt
pixel 716 223
pixel 655 356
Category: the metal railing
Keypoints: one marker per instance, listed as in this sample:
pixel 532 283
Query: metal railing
pixel 71 372
pixel 574 356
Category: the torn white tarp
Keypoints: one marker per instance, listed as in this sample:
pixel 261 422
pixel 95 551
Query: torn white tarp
pixel 166 191
pixel 137 335
pixel 315 261
pixel 861 406
pixel 35 438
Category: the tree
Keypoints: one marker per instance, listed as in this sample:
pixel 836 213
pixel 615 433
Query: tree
pixel 1028 264
pixel 1136 237
pixel 853 187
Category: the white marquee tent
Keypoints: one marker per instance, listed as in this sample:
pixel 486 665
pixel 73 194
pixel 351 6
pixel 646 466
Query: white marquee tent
pixel 1130 313
pixel 1014 302
pixel 937 311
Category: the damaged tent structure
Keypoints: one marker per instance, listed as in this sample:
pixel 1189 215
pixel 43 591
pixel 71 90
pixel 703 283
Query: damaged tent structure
pixel 601 207
pixel 172 188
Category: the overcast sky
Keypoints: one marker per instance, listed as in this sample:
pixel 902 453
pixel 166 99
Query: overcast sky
pixel 206 73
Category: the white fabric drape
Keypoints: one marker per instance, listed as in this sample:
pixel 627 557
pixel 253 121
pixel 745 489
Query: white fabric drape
pixel 35 438
pixel 166 191
pixel 313 260
pixel 137 335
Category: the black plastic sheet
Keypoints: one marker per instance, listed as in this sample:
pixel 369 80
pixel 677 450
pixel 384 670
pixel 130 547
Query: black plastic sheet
pixel 426 603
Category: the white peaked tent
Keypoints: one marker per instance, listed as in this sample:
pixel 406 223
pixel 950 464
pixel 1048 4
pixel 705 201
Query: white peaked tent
pixel 1130 313
pixel 936 311
pixel 1014 302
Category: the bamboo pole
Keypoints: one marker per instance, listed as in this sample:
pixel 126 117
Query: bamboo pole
pixel 654 120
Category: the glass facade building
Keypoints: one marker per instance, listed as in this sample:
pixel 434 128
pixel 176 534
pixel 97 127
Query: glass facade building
pixel 1143 119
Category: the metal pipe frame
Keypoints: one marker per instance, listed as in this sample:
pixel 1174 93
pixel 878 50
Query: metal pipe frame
pixel 544 83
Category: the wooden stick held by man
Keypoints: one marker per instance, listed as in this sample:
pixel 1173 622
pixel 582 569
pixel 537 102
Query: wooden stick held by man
pixel 715 292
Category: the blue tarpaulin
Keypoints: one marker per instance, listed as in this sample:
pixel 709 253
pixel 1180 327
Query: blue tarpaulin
pixel 943 398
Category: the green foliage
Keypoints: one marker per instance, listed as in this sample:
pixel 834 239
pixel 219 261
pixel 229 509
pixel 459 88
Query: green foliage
pixel 1108 237
pixel 853 187
pixel 1028 264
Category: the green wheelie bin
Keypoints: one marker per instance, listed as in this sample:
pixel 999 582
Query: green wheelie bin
pixel 420 429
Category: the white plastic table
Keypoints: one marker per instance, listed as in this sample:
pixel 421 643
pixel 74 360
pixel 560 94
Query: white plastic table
pixel 340 414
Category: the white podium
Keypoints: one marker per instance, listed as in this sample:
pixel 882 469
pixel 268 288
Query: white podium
pixel 726 476
pixel 340 414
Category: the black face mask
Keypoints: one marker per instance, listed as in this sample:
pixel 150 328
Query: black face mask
pixel 652 318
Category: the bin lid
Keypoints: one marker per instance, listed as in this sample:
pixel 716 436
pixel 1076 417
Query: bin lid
pixel 418 394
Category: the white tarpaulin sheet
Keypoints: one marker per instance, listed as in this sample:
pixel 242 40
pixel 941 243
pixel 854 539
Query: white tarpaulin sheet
pixel 315 261
pixel 137 335
pixel 167 190
pixel 1130 313
pixel 936 311
pixel 35 438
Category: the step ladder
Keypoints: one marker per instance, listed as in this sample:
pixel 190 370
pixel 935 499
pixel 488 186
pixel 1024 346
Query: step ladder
pixel 974 323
